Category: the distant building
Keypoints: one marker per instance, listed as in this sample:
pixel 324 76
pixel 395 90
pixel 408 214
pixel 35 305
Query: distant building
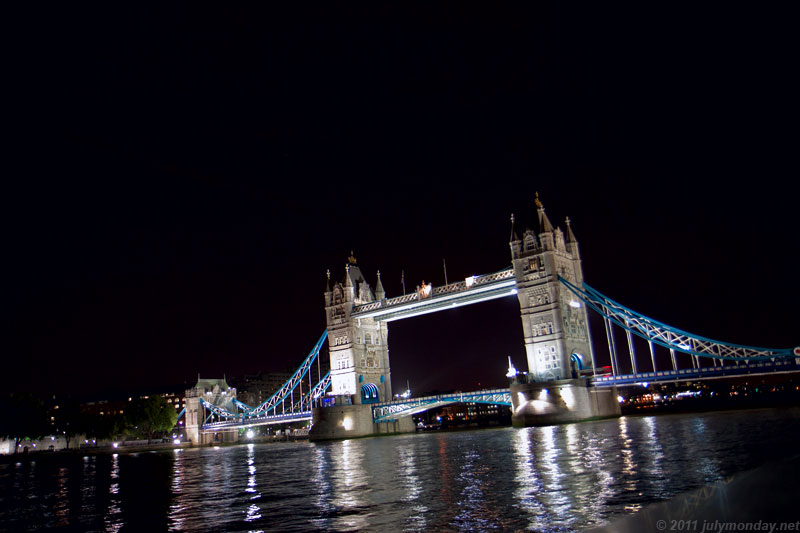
pixel 255 389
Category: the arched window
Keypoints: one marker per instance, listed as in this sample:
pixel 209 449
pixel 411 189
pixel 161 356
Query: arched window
pixel 369 393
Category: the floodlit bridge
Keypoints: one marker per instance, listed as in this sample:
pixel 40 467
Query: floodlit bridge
pixel 564 381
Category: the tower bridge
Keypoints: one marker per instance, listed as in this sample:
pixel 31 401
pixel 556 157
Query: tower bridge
pixel 562 383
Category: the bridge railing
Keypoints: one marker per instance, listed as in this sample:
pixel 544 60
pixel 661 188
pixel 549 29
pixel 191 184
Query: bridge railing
pixel 451 288
pixel 385 410
pixel 709 372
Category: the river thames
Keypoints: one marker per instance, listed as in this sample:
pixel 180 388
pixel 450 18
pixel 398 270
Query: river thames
pixel 564 478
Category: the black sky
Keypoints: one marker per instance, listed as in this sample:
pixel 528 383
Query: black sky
pixel 179 179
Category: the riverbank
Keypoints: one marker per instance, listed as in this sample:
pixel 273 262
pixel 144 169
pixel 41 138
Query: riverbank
pixel 133 449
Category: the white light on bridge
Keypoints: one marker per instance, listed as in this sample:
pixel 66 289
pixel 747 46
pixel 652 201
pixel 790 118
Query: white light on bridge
pixel 425 290
pixel 176 441
pixel 620 399
pixel 574 303
pixel 469 281
pixel 250 433
pixel 347 423
pixel 511 370
pixel 568 396
pixel 543 395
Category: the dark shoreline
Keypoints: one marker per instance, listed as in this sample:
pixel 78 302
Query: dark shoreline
pixel 126 450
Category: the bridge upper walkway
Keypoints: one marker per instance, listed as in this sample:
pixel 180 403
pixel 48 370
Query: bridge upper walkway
pixel 430 299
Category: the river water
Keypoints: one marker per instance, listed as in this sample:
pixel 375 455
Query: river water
pixel 566 477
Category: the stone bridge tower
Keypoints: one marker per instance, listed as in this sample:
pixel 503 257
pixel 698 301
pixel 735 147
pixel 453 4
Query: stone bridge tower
pixel 358 347
pixel 554 321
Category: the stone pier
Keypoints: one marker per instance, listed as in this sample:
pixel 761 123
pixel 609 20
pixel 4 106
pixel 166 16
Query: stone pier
pixel 561 401
pixel 351 421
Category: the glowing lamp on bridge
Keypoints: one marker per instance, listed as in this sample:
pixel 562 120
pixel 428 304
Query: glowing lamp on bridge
pixel 469 281
pixel 347 423
pixel 425 290
pixel 574 303
pixel 511 370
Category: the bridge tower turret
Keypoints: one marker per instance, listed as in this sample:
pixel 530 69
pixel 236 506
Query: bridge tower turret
pixel 358 347
pixel 554 322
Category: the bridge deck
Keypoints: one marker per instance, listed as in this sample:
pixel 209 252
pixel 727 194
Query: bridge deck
pixel 257 421
pixel 411 406
pixel 710 372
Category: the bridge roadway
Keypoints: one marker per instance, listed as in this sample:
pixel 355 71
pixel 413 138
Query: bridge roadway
pixel 703 373
pixel 381 412
pixel 299 416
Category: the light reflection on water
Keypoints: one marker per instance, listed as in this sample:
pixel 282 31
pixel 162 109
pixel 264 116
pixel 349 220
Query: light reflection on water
pixel 113 520
pixel 558 477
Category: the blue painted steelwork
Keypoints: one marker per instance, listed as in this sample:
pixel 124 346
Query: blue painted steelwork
pixel 668 336
pixel 297 416
pixel 300 411
pixel 369 393
pixel 275 408
pixel 382 412
pixel 307 400
pixel 688 374
pixel 285 392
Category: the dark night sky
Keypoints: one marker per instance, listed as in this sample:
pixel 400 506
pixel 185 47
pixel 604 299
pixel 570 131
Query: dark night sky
pixel 180 179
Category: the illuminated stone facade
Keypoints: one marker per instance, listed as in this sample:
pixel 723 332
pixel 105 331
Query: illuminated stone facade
pixel 359 350
pixel 554 321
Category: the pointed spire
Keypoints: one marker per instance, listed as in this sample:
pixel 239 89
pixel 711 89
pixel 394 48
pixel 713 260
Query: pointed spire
pixel 347 281
pixel 380 294
pixel 352 259
pixel 514 236
pixel 570 235
pixel 572 242
pixel 544 222
pixel 328 280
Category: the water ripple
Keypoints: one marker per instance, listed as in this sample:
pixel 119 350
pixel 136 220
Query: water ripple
pixel 553 478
